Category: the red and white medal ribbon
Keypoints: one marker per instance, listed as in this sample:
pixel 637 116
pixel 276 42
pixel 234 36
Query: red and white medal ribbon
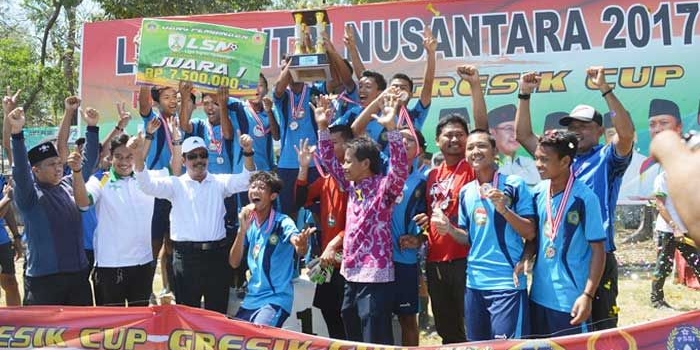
pixel 259 123
pixel 554 225
pixel 213 140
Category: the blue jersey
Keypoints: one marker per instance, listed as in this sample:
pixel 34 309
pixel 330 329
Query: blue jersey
pixel 418 114
pixel 219 149
pixel 601 169
pixel 495 246
pixel 559 280
pixel 349 116
pixel 159 153
pixel 4 237
pixel 345 100
pixel 244 119
pixel 410 203
pixel 295 126
pixel 271 263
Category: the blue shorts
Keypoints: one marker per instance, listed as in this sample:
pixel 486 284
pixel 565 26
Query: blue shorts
pixel 406 289
pixel 269 315
pixel 547 322
pixel 496 314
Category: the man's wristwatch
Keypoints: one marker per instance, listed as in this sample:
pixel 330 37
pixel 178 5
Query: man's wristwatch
pixel 248 154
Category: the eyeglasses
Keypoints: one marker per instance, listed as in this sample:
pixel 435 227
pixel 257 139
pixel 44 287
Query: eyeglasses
pixel 194 156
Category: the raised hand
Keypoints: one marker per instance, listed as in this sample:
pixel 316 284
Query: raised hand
pixel 245 141
pixel 71 103
pixel 222 96
pixel 153 125
pixel 429 42
pixel 305 153
pixel 267 103
pixel 185 89
pixel 322 111
pixel 124 116
pixel 9 101
pixel 469 73
pixel 389 109
pixel 75 161
pixel 349 38
pixel 597 76
pixel 135 143
pixel 16 120
pixel 529 82
pixel 91 116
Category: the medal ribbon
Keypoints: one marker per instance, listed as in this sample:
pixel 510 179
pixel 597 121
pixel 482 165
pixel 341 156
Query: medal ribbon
pixel 554 225
pixel 168 137
pixel 403 115
pixel 213 140
pixel 258 121
pixel 317 161
pixel 270 220
pixel 300 104
pixel 445 190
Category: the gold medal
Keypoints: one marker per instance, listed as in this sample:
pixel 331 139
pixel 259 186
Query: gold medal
pixel 550 252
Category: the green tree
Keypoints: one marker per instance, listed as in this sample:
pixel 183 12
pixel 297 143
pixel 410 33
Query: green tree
pixel 121 9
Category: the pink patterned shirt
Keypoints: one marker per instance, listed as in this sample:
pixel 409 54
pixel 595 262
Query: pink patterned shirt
pixel 367 245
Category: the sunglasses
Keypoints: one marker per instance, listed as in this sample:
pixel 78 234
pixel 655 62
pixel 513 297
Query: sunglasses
pixel 194 156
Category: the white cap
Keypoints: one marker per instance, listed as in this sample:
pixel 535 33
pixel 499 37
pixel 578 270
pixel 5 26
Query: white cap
pixel 192 143
pixel 584 113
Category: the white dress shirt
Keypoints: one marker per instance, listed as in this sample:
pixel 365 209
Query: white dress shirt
pixel 198 207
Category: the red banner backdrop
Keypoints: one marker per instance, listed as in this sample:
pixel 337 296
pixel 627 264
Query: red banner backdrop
pixel 184 328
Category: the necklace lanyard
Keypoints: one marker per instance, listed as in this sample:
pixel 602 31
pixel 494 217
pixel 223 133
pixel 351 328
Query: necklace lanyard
pixel 213 140
pixel 166 128
pixel 317 161
pixel 270 220
pixel 298 112
pixel 403 115
pixel 554 225
pixel 442 189
pixel 258 121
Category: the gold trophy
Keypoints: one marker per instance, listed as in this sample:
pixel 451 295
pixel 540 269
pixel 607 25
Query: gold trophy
pixel 309 63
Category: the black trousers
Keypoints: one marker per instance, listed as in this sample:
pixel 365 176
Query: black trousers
pixel 202 271
pixel 129 283
pixel 666 245
pixel 446 283
pixel 604 314
pixel 59 289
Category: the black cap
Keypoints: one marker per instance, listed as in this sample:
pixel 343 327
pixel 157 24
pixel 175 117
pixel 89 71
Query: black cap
pixel 551 121
pixel 584 113
pixel 461 111
pixel 40 152
pixel 660 106
pixel 502 114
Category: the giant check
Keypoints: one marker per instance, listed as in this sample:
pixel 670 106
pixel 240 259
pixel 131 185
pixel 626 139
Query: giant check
pixel 208 55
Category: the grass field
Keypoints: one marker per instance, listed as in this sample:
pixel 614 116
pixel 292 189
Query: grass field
pixel 636 264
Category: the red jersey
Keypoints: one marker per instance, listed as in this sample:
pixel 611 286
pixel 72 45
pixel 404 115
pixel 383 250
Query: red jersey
pixel 334 203
pixel 443 186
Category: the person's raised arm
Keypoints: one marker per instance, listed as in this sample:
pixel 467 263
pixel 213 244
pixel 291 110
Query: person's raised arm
pixel 245 216
pixel 145 104
pixel 624 140
pixel 123 121
pixel 6 201
pixel 523 122
pixel 470 74
pixel 92 118
pixel 274 126
pixel 9 103
pixel 224 119
pixel 71 105
pixel 398 162
pixel 151 128
pixel 176 157
pixel 25 195
pixel 359 126
pixel 349 39
pixel 323 114
pixel 305 153
pixel 80 194
pixel 283 81
pixel 159 188
pixel 430 45
pixel 337 64
pixel 185 114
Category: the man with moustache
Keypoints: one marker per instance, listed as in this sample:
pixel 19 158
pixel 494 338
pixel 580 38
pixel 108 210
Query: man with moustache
pixel 200 246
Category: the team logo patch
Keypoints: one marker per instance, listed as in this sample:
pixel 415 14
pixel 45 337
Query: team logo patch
pixel 274 239
pixel 176 42
pixel 572 217
pixel 683 337
pixel 480 216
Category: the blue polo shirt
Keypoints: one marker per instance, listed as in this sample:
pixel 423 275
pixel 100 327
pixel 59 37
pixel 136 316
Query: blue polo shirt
pixel 409 204
pixel 601 169
pixel 242 119
pixel 204 130
pixel 418 114
pixel 159 153
pixel 4 237
pixel 495 246
pixel 341 105
pixel 306 125
pixel 271 263
pixel 560 280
